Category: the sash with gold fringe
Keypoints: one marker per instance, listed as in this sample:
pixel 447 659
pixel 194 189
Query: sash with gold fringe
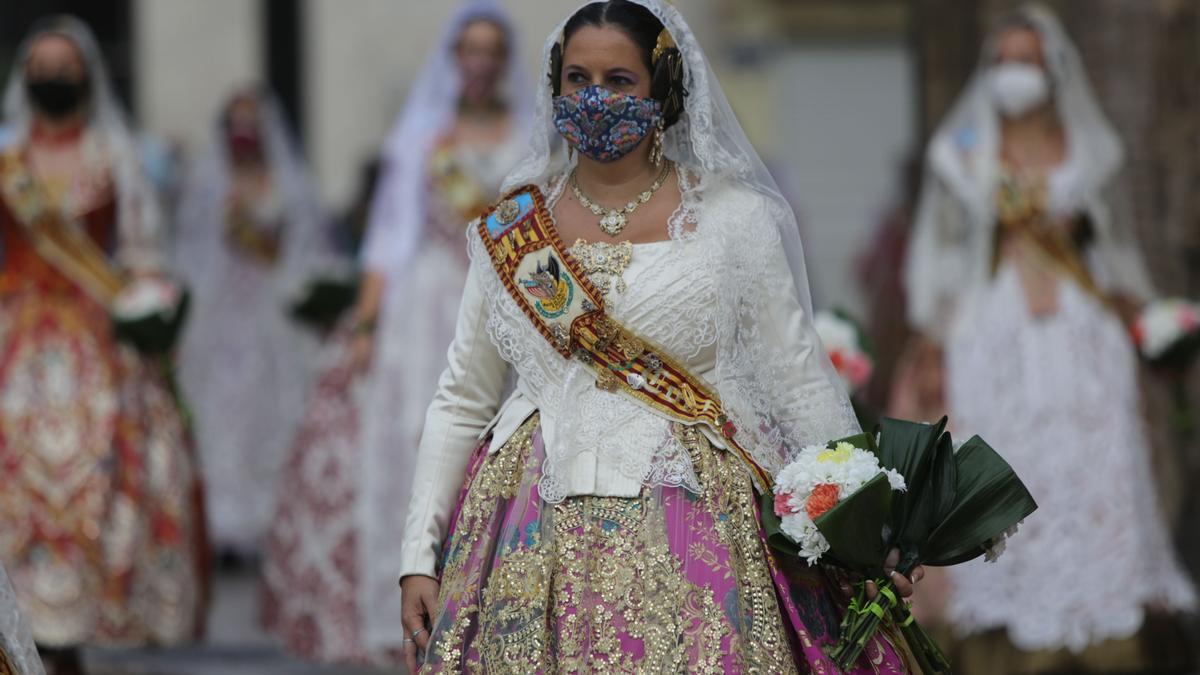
pixel 551 289
pixel 63 244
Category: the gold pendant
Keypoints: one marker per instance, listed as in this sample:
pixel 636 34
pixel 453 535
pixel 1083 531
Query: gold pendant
pixel 606 381
pixel 613 222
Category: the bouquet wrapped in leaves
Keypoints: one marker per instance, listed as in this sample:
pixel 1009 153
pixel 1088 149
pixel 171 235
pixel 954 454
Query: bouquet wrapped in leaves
pixel 938 504
pixel 149 314
pixel 1167 335
pixel 325 299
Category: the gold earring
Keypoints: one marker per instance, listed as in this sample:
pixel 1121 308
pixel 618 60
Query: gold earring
pixel 656 150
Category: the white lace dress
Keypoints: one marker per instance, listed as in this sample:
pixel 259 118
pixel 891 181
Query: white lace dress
pixel 1058 397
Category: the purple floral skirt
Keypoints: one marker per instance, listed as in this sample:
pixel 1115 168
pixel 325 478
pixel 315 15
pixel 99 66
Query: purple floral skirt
pixel 667 582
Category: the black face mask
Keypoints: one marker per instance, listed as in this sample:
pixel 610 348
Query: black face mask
pixel 57 98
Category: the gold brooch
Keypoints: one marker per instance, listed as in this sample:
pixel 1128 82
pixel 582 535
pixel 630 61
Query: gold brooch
pixel 508 211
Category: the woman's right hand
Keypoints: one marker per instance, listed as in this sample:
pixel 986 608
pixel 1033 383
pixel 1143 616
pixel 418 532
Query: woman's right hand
pixel 418 607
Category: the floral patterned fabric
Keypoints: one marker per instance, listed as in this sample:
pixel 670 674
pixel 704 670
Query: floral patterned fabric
pixel 605 125
pixel 97 498
pixel 310 570
pixel 671 581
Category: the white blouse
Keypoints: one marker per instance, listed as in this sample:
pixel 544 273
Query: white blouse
pixel 615 445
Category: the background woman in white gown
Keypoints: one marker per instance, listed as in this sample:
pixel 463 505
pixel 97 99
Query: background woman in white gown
pixel 1023 266
pixel 250 233
pixel 337 532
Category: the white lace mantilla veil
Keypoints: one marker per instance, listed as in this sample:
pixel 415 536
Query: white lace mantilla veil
pixel 397 219
pixel 16 642
pixel 945 262
pixel 307 242
pixel 108 138
pixel 719 168
pixel 395 235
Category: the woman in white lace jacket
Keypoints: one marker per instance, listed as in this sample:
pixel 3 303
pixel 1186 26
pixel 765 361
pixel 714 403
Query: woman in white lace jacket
pixel 1021 264
pixel 596 532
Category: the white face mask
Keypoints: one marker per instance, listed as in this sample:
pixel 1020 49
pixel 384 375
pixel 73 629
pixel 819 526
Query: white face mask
pixel 1018 88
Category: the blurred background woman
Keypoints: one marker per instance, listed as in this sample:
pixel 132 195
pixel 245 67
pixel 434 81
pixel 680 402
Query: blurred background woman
pixel 97 510
pixel 1023 266
pixel 251 232
pixel 337 534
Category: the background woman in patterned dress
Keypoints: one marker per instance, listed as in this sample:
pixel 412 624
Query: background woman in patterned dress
pixel 333 546
pixel 96 499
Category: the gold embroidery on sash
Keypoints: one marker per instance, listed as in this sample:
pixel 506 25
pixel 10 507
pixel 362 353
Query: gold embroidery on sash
pixel 64 245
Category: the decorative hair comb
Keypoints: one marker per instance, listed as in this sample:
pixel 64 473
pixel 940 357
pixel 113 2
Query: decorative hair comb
pixel 665 42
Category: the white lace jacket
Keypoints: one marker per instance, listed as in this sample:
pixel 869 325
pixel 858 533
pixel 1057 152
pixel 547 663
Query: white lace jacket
pixel 597 442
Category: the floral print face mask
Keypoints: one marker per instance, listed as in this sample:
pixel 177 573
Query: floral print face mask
pixel 605 125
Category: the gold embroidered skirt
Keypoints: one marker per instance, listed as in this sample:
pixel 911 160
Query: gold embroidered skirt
pixel 667 582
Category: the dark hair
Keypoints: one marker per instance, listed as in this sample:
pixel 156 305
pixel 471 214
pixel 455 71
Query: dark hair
pixel 640 24
pixel 472 19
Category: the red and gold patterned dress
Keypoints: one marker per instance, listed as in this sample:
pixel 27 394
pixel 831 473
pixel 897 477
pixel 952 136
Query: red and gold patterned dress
pixel 96 500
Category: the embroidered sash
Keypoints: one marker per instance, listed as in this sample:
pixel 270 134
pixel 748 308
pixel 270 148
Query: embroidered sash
pixel 64 245
pixel 566 308
pixel 1021 212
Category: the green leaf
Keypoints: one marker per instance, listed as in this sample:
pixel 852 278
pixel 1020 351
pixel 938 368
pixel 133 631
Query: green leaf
pixel 991 499
pixel 855 527
pixel 944 477
pixel 910 448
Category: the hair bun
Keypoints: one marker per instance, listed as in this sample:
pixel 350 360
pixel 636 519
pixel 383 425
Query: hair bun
pixel 555 74
pixel 666 84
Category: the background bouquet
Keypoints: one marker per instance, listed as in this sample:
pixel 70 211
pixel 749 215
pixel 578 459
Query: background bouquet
pixel 149 313
pixel 906 488
pixel 1167 334
pixel 847 348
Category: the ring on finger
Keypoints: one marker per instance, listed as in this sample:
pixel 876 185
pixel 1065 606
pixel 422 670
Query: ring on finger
pixel 416 632
pixel 408 640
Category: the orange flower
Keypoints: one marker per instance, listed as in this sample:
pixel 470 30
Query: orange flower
pixel 823 498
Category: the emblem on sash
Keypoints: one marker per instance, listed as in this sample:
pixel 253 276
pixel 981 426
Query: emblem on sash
pixel 553 291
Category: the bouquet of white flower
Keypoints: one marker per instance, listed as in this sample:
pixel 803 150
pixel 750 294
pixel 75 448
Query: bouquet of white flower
pixel 816 481
pixel 907 488
pixel 149 313
pixel 844 342
pixel 1167 332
